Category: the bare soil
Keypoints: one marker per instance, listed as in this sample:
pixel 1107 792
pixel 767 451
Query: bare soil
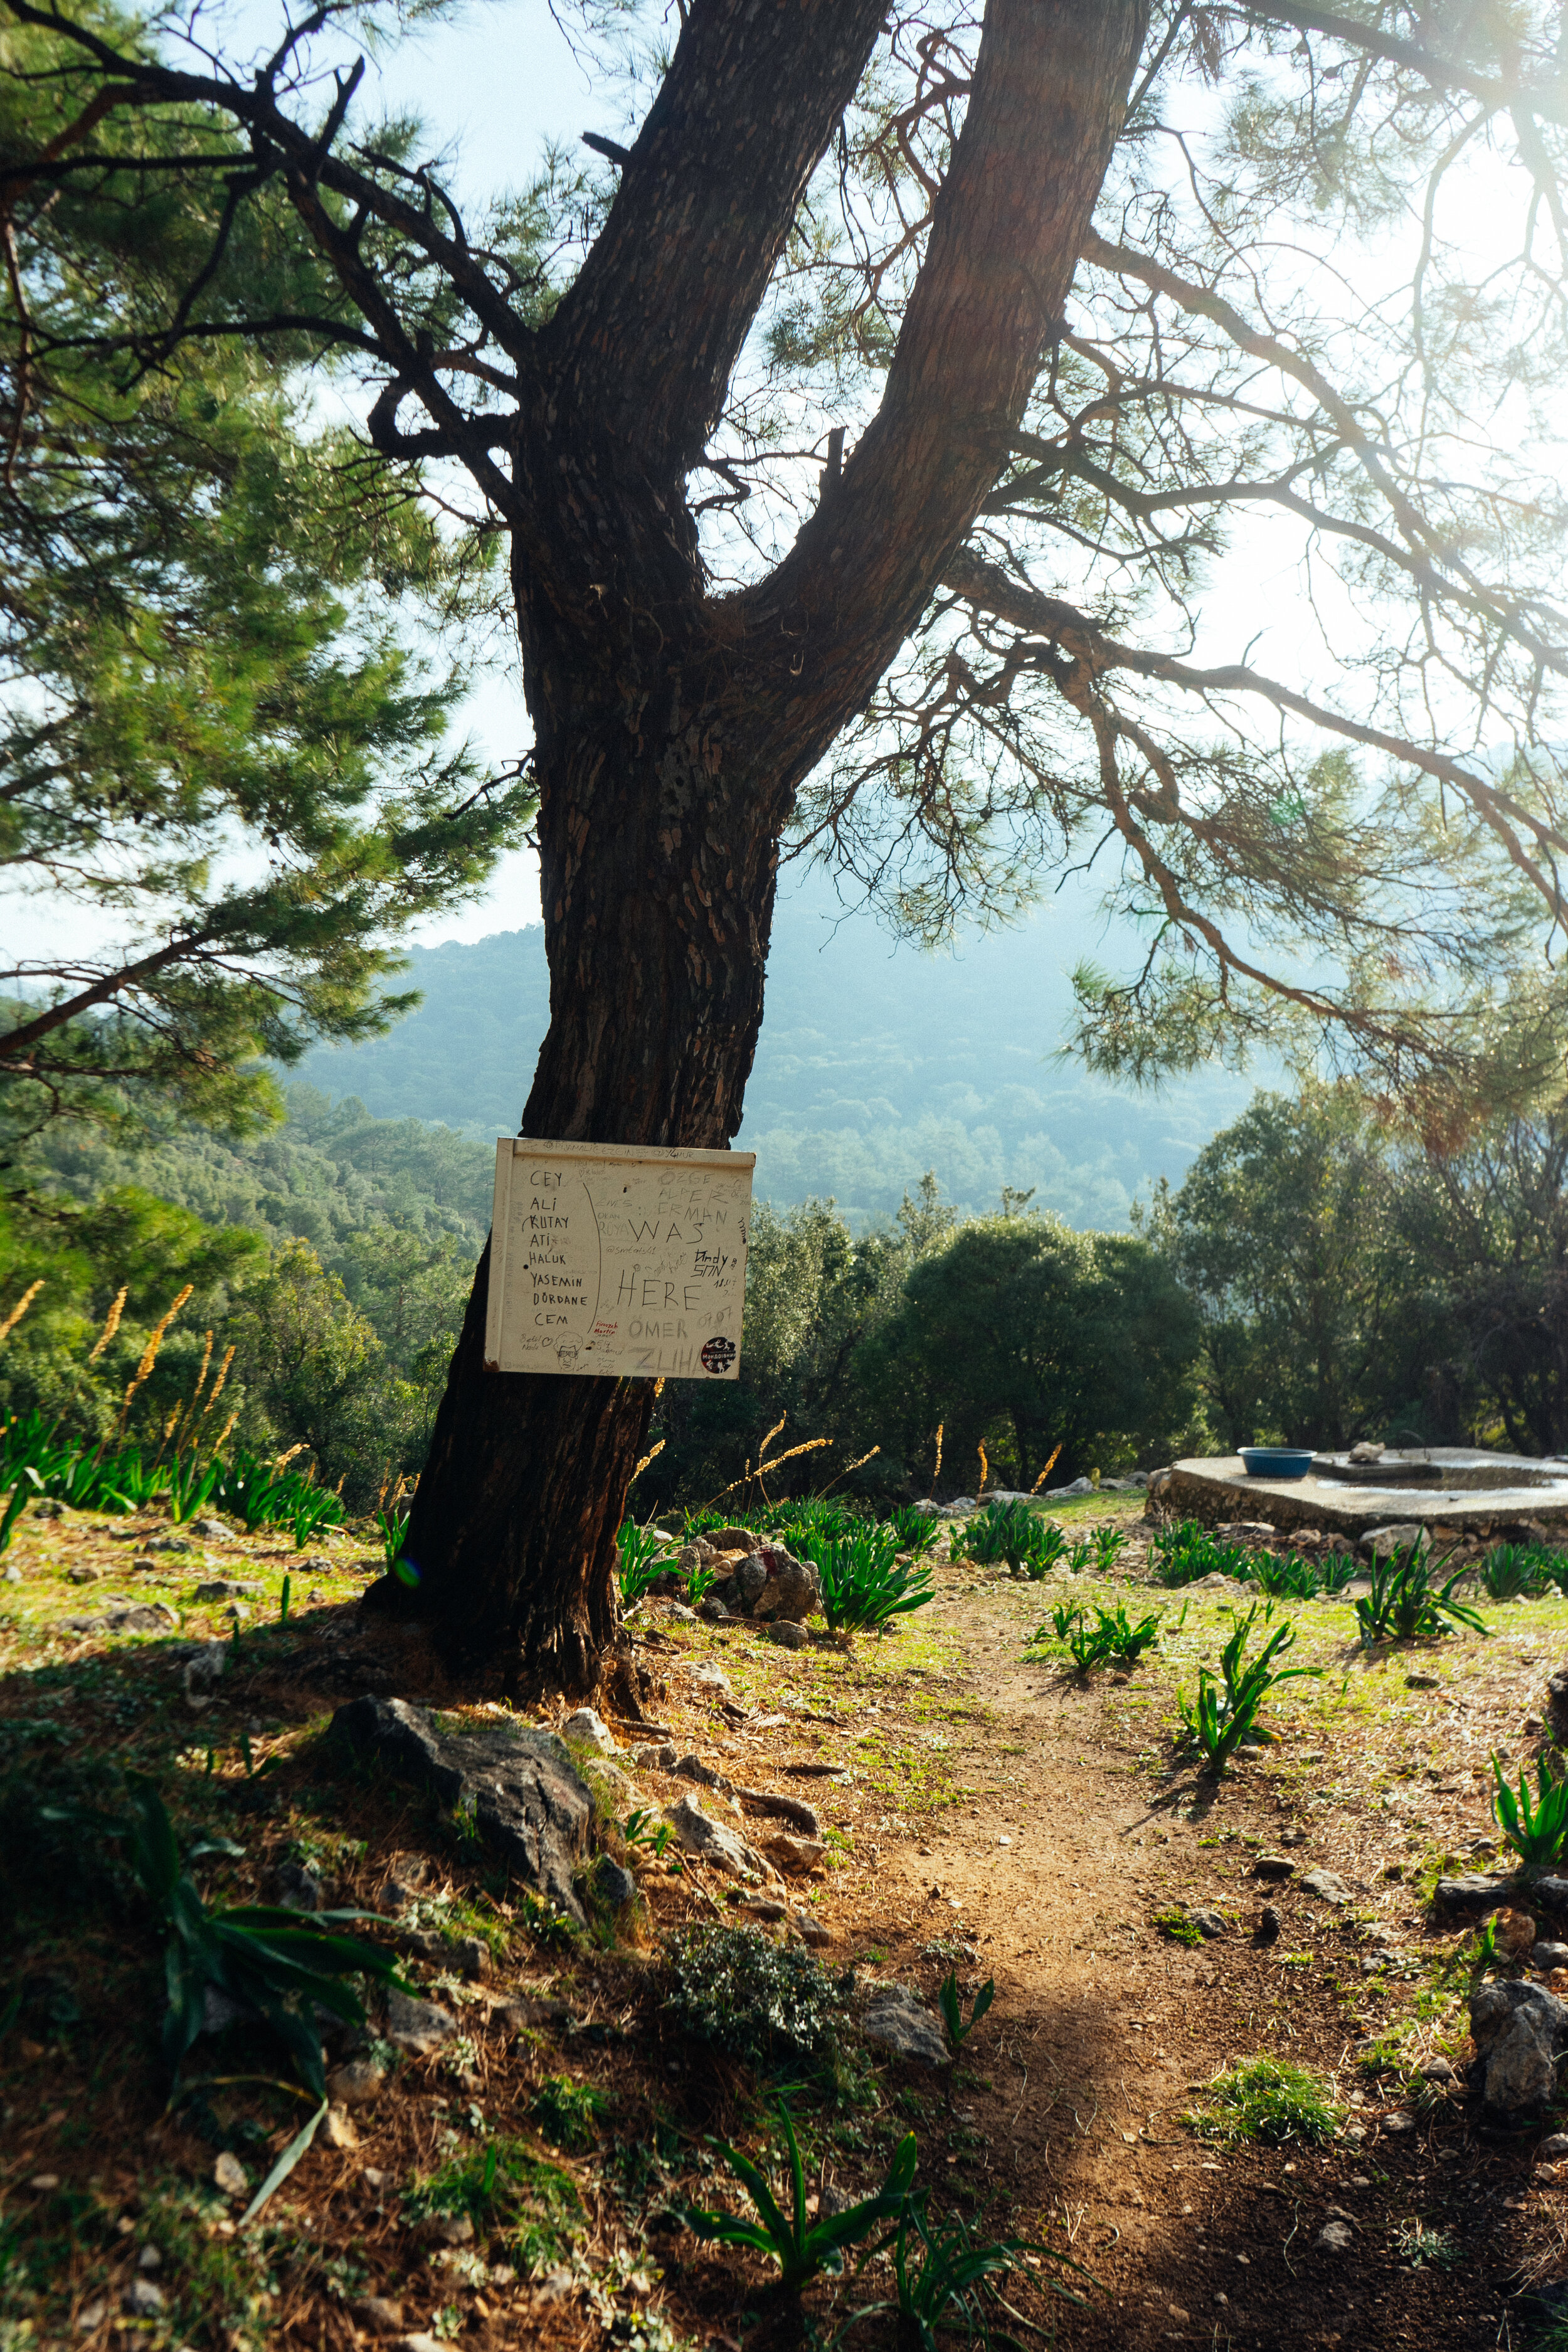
pixel 984 1811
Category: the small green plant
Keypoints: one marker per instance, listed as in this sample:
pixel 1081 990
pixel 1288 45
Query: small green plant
pixel 393 1526
pixel 21 1493
pixel 640 1552
pixel 1113 1639
pixel 959 2029
pixel 700 1582
pixel 283 1600
pixel 948 2290
pixel 1181 1554
pixel 1405 1605
pixel 1510 1571
pixel 1109 1543
pixel 754 2000
pixel 916 1532
pixel 1176 1926
pixel 1227 1711
pixel 1537 1828
pixel 1289 1578
pixel 863 1587
pixel 190 1485
pixel 504 2188
pixel 1336 1571
pixel 642 1827
pixel 284 1966
pixel 567 2112
pixel 1416 2244
pixel 802 2248
pixel 1269 2100
pixel 1014 1533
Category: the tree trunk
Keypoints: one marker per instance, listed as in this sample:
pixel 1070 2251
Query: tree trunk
pixel 673 727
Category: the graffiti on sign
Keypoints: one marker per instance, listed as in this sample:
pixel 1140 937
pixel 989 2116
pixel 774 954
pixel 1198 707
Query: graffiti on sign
pixel 620 1260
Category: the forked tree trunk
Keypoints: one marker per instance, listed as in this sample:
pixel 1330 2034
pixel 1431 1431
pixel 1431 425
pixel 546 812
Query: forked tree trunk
pixel 674 728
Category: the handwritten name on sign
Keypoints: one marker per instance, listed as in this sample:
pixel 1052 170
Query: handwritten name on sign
pixel 619 1260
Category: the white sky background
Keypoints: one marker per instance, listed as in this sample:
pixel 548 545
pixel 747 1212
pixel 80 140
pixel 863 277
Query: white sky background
pixel 493 84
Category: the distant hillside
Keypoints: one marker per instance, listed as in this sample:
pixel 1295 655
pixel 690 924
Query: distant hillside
pixel 876 1062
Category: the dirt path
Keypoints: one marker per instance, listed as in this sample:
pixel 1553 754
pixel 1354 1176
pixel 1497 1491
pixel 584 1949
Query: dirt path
pixel 981 1811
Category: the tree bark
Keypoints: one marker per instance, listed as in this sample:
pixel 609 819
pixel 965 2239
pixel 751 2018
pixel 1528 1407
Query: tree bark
pixel 674 728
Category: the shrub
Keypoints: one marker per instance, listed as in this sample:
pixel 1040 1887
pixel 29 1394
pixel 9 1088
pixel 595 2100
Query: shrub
pixel 1266 2099
pixel 1283 1580
pixel 756 2000
pixel 1403 1604
pixel 1227 1711
pixel 1511 1570
pixel 916 1531
pixel 1010 1532
pixel 567 2112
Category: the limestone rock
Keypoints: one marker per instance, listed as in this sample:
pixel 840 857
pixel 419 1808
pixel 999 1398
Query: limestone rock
pixel 1326 1885
pixel 1273 1865
pixel 352 2085
pixel 1473 1889
pixel 230 2177
pixel 895 2021
pixel 1520 2031
pixel 417 2026
pixel 712 1842
pixel 787 1634
pixel 143 2300
pixel 795 1856
pixel 1380 1543
pixel 590 1730
pixel 613 1886
pixel 378 2313
pixel 529 1801
pixel 1210 1923
pixel 338 2130
pixel 1335 2238
pixel 793 1589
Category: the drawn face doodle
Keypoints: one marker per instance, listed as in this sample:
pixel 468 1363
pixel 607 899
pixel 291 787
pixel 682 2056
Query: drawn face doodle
pixel 566 1354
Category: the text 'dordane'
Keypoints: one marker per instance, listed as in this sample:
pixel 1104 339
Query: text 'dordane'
pixel 618 1259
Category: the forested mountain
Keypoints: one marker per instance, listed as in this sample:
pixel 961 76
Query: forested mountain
pixel 877 1062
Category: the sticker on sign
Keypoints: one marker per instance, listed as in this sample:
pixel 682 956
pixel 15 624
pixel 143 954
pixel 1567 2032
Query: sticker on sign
pixel 618 1259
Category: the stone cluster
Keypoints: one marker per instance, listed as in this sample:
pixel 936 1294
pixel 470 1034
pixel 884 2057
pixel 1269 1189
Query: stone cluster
pixel 756 1578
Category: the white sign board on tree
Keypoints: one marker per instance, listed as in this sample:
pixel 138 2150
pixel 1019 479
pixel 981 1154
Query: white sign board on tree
pixel 618 1259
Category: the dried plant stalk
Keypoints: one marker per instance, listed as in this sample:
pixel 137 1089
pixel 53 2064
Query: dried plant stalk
pixel 149 1352
pixel 768 1440
pixel 647 1457
pixel 21 1308
pixel 1048 1468
pixel 984 1472
pixel 936 1474
pixel 110 1325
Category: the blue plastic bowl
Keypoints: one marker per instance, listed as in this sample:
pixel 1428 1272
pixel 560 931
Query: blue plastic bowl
pixel 1276 1460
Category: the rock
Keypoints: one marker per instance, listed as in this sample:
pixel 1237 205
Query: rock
pixel 590 1730
pixel 750 1578
pixel 337 2129
pixel 1210 1923
pixel 417 2026
pixel 421 2343
pixel 787 1634
pixel 1557 1704
pixel 959 1509
pixel 1400 2121
pixel 762 1906
pixel 151 2258
pixel 1473 1889
pixel 1326 1885
pixel 1273 1865
pixel 452 2229
pixel 810 1929
pixel 791 1594
pixel 170 1543
pixel 794 1855
pixel 1269 1924
pixel 1436 2070
pixel 298 1888
pixel 1365 1451
pixel 378 2313
pixel 229 2176
pixel 711 1681
pixel 225 1587
pixel 352 2085
pixel 1553 2149
pixel 135 1617
pixel 1335 2237
pixel 712 1610
pixel 49 1508
pixel 529 2010
pixel 1293 1837
pixel 212 1530
pixel 529 1801
pixel 614 1886
pixel 928 1509
pixel 740 1539
pixel 895 2021
pixel 712 1842
pixel 1256 1532
pixel 143 2300
pixel 1519 2029
pixel 1551 1893
pixel 1380 1543
pixel 1515 1931
pixel 83 1575
pixel 678 1613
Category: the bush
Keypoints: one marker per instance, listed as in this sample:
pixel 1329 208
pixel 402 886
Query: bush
pixel 1180 1555
pixel 1405 1605
pixel 863 1587
pixel 750 1999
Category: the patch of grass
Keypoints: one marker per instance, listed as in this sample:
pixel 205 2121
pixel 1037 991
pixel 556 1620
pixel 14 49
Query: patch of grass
pixel 1269 2100
pixel 567 2113
pixel 507 2191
